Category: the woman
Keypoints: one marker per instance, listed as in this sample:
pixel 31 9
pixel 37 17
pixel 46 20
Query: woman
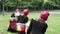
pixel 39 26
pixel 22 19
pixel 13 20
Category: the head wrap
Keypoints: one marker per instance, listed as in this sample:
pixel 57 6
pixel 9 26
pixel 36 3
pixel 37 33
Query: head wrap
pixel 26 11
pixel 44 14
pixel 17 13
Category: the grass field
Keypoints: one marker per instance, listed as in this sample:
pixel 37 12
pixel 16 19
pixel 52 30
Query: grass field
pixel 53 23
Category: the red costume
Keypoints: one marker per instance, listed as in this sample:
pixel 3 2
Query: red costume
pixel 13 21
pixel 11 25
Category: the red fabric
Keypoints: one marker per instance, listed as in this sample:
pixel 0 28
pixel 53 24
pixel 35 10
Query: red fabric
pixel 11 25
pixel 23 28
pixel 17 10
pixel 44 14
pixel 26 11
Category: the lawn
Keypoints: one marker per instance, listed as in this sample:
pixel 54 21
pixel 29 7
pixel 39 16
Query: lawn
pixel 53 23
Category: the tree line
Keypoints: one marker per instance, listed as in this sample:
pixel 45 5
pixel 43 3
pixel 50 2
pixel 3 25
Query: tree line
pixel 31 4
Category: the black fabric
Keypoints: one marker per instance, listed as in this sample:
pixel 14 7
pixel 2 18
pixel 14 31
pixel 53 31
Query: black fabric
pixel 23 32
pixel 37 27
pixel 12 30
pixel 22 19
pixel 13 15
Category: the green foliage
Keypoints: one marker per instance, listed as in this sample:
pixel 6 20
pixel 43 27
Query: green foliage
pixel 54 2
pixel 30 3
pixel 11 3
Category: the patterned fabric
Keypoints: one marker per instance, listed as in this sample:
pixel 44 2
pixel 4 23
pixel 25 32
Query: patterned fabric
pixel 19 27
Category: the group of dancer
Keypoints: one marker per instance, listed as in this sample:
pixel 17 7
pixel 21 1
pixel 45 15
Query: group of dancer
pixel 18 23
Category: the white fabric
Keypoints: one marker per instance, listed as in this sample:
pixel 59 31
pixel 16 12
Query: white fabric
pixel 27 25
pixel 17 14
pixel 20 24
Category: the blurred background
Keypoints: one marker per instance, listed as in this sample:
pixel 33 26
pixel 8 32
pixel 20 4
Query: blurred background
pixel 35 6
pixel 10 5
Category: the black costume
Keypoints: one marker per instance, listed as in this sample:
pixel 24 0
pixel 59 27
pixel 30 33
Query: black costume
pixel 37 27
pixel 22 19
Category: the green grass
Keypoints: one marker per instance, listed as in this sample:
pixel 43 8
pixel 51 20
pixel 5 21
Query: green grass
pixel 53 23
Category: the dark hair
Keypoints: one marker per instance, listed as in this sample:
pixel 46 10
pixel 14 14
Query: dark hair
pixel 13 15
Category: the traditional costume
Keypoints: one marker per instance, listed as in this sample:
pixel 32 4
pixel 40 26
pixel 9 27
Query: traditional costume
pixel 13 21
pixel 22 19
pixel 21 22
pixel 38 26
